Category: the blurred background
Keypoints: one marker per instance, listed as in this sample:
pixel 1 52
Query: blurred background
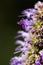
pixel 9 12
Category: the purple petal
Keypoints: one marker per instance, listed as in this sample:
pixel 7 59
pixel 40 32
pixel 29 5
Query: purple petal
pixel 25 23
pixel 37 61
pixel 41 52
pixel 16 61
pixel 29 12
pixel 20 42
pixel 23 34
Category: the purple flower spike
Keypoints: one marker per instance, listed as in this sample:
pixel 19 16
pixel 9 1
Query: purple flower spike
pixel 31 53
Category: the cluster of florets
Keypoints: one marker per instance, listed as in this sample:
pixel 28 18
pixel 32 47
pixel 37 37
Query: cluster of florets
pixel 31 47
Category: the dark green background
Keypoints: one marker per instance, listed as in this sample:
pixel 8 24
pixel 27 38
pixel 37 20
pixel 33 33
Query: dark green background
pixel 9 11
